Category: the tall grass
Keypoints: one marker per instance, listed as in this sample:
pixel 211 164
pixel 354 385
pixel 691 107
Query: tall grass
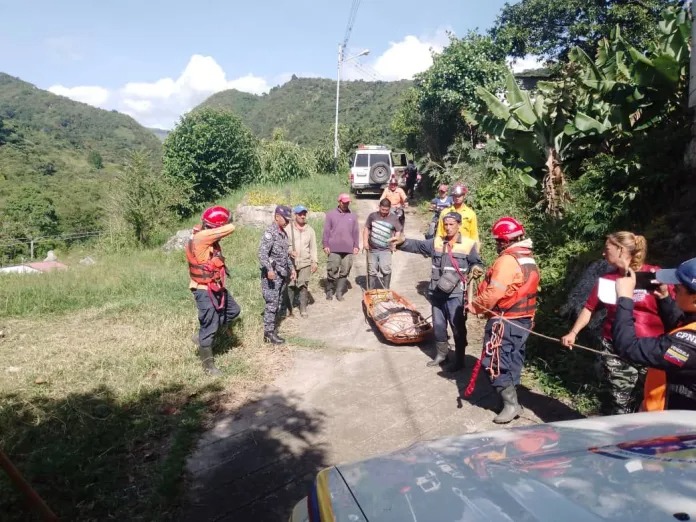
pixel 101 394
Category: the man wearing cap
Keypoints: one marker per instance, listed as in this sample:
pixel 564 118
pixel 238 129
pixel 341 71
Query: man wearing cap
pixel 276 270
pixel 453 258
pixel 303 252
pixel 670 383
pixel 341 241
pixel 437 205
pixel 469 224
pixel 380 227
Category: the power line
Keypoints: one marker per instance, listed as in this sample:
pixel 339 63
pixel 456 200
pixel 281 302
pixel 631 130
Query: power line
pixel 351 20
pixel 58 237
pixel 367 70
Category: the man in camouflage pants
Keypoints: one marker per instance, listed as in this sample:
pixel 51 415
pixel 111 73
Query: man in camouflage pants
pixel 276 270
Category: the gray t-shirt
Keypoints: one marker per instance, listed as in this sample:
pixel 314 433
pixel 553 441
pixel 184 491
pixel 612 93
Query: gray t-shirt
pixel 381 229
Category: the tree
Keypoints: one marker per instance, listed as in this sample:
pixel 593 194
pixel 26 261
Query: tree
pixel 430 115
pixel 210 152
pixel 551 28
pixel 143 197
pixel 28 213
pixel 4 132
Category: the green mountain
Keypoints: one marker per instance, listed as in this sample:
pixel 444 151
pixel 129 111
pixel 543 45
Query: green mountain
pixel 56 157
pixel 160 133
pixel 305 108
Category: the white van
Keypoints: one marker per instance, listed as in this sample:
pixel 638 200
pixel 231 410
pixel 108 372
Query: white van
pixel 372 166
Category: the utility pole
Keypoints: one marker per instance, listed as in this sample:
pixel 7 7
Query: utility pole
pixel 338 90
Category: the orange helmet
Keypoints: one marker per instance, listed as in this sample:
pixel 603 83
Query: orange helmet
pixel 214 217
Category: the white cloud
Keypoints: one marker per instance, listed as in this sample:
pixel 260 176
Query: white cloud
pixel 91 94
pixel 161 102
pixel 402 60
pixel 525 64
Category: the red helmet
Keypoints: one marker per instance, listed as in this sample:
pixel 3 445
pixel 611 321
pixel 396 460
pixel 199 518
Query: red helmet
pixel 214 217
pixel 507 228
pixel 459 189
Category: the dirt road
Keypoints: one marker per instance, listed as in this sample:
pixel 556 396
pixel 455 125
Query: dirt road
pixel 347 396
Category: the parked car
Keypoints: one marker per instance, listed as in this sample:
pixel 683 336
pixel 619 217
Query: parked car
pixel 639 467
pixel 371 167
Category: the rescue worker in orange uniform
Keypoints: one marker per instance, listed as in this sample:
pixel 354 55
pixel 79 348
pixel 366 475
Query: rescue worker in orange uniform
pixel 671 358
pixel 207 270
pixel 508 290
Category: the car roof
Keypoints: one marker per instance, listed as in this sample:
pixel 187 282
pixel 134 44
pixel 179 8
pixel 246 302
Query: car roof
pixel 627 467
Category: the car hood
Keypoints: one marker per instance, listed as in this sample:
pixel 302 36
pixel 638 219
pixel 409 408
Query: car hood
pixel 630 467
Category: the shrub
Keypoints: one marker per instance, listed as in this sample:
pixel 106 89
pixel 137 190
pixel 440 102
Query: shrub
pixel 282 161
pixel 211 152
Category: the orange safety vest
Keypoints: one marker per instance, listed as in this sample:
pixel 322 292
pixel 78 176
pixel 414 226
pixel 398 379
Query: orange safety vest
pixel 655 388
pixel 523 302
pixel 211 272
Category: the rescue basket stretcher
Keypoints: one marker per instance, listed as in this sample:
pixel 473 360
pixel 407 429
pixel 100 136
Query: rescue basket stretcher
pixel 395 317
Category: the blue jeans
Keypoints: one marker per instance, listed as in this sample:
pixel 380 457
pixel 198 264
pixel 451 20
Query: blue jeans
pixel 512 351
pixel 449 310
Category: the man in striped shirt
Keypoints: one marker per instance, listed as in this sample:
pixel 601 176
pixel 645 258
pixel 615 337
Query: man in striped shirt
pixel 380 227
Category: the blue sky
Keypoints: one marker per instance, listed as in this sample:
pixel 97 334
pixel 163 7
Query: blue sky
pixel 156 59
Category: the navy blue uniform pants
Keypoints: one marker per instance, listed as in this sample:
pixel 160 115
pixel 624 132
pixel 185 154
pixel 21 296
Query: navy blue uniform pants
pixel 512 351
pixel 449 310
pixel 209 318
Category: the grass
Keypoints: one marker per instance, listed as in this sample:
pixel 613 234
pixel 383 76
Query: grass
pixel 102 396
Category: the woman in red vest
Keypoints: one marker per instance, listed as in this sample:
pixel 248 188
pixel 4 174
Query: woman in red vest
pixel 671 357
pixel 618 379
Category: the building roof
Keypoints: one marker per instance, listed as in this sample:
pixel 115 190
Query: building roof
pixel 47 266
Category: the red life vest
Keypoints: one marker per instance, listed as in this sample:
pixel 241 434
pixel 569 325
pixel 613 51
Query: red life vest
pixel 522 303
pixel 655 388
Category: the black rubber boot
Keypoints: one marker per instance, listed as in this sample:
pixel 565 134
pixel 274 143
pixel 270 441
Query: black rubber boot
pixel 441 355
pixel 290 300
pixel 341 288
pixel 511 408
pixel 330 289
pixel 272 337
pixel 205 353
pixel 374 284
pixel 304 299
pixel 386 279
pixel 458 362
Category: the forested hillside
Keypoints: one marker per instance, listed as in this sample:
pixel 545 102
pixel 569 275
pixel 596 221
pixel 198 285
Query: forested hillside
pixel 305 108
pixel 56 156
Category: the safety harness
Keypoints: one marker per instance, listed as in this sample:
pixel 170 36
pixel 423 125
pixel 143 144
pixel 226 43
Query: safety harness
pixel 211 274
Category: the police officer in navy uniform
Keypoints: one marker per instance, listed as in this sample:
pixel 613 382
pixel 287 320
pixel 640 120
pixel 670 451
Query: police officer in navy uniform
pixel 671 358
pixel 448 304
pixel 276 270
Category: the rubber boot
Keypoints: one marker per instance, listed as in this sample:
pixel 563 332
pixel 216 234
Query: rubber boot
pixel 304 299
pixel 290 300
pixel 282 339
pixel 341 288
pixel 373 282
pixel 511 408
pixel 441 355
pixel 330 288
pixel 205 353
pixel 458 362
pixel 272 337
pixel 386 279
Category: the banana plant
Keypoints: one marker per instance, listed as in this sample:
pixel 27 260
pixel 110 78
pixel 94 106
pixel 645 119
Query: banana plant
pixel 627 90
pixel 540 129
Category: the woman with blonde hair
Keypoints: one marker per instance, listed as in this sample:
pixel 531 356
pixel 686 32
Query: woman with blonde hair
pixel 619 380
